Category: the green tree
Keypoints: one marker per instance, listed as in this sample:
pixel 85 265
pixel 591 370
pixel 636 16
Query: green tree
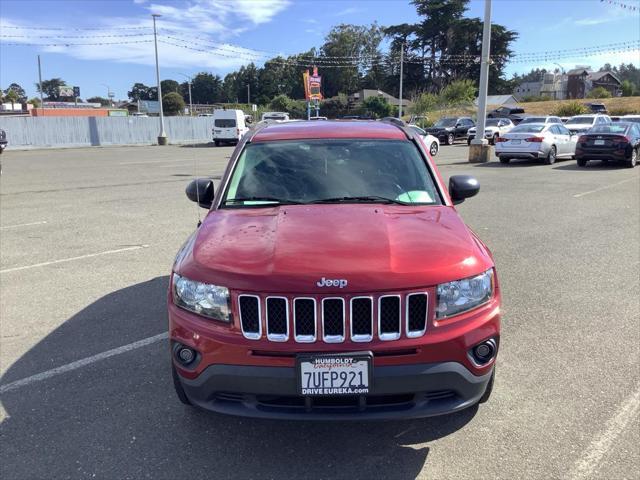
pixel 169 86
pixel 101 100
pixel 139 91
pixel 627 88
pixel 51 89
pixel 34 101
pixel 335 106
pixel 377 107
pixel 459 92
pixel 173 103
pixel 11 96
pixel 599 92
pixel 22 96
pixel 206 88
pixel 425 103
pixel 280 103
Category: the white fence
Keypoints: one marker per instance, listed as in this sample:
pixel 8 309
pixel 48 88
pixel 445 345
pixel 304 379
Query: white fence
pixel 43 132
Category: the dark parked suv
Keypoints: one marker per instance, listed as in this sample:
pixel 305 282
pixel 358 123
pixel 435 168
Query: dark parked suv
pixel 448 129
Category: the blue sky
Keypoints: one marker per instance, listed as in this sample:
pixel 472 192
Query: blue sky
pixel 274 26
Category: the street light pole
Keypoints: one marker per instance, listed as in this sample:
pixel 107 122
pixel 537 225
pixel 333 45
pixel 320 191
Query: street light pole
pixel 401 74
pixel 480 151
pixel 249 93
pixel 189 84
pixel 162 138
pixel 40 81
pixel 109 94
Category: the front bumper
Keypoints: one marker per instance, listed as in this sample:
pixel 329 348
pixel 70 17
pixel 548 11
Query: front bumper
pixel 402 391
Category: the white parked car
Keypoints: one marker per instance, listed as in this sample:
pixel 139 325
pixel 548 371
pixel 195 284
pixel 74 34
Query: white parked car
pixel 541 119
pixel 630 118
pixel 494 128
pixel 275 116
pixel 432 143
pixel 532 141
pixel 582 123
pixel 228 126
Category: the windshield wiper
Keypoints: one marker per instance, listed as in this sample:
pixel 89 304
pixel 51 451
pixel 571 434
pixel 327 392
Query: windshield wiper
pixel 280 201
pixel 361 199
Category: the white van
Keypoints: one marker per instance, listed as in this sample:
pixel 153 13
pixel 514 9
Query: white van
pixel 275 116
pixel 228 126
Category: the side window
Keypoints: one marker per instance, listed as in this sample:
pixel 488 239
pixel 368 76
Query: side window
pixel 564 130
pixel 554 129
pixel 469 122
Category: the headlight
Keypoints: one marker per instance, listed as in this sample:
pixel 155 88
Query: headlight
pixel 210 301
pixel 462 295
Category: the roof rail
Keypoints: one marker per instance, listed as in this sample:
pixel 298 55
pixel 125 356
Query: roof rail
pixel 401 124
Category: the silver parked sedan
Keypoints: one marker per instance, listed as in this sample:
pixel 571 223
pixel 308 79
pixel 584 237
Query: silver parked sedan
pixel 544 141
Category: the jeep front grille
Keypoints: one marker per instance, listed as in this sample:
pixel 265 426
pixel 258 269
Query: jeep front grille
pixel 334 319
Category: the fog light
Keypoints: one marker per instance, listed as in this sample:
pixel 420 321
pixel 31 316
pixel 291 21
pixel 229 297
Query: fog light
pixel 484 352
pixel 184 355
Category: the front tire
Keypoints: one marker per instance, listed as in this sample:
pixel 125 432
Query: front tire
pixel 433 149
pixel 450 139
pixel 495 137
pixel 177 385
pixel 632 162
pixel 551 157
pixel 504 160
pixel 581 162
pixel 216 143
pixel 469 140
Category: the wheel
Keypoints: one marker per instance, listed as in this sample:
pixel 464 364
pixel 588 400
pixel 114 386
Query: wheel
pixel 551 157
pixel 469 140
pixel 633 160
pixel 450 139
pixel 433 149
pixel 178 387
pixel 217 143
pixel 581 162
pixel 487 393
pixel 493 140
pixel 504 160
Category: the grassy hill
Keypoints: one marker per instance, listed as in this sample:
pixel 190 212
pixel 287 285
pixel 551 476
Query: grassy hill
pixel 615 106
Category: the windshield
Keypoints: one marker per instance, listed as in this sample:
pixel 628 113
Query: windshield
pixel 581 120
pixel 225 123
pixel 333 171
pixel 532 128
pixel 533 120
pixel 616 129
pixel 446 122
pixel 492 122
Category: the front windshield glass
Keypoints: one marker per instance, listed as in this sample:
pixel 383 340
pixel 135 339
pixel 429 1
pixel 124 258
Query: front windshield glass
pixel 528 128
pixel 330 171
pixel 492 122
pixel 533 120
pixel 446 122
pixel 581 120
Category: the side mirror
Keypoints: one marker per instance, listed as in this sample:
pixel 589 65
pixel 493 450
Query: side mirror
pixel 461 187
pixel 201 192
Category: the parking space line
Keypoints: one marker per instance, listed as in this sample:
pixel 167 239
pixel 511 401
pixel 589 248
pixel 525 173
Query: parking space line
pixel 81 363
pixel 23 225
pixel 71 259
pixel 598 448
pixel 578 195
pixel 156 161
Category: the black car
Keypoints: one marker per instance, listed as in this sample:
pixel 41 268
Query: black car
pixel 596 107
pixel 448 129
pixel 618 142
pixel 515 114
pixel 3 140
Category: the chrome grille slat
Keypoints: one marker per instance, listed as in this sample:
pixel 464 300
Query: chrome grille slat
pixel 277 319
pixel 250 316
pixel 389 317
pixel 333 319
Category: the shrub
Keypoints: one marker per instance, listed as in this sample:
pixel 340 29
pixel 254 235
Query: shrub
pixel 627 88
pixel 599 92
pixel 457 93
pixel 425 103
pixel 619 111
pixel 377 107
pixel 172 103
pixel 536 98
pixel 280 103
pixel 570 109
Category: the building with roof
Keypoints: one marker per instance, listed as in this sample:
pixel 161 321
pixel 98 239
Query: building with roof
pixel 356 99
pixel 499 100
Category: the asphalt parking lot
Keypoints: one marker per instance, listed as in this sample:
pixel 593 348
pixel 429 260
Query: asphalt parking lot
pixel 88 237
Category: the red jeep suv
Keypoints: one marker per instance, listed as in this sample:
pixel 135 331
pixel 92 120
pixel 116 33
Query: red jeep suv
pixel 333 279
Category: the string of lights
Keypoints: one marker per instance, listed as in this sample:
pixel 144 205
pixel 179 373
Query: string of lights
pixel 117 35
pixel 621 5
pixel 67 44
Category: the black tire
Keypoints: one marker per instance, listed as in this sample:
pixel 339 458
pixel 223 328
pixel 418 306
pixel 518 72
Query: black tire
pixel 487 393
pixel 433 149
pixel 216 143
pixel 504 160
pixel 177 385
pixel 493 140
pixel 551 157
pixel 633 161
pixel 581 162
pixel 469 140
pixel 450 139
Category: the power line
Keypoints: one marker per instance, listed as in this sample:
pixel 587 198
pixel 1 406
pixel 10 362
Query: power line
pixel 73 28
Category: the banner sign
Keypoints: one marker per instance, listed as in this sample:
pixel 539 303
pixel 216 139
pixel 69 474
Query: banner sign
pixel 312 85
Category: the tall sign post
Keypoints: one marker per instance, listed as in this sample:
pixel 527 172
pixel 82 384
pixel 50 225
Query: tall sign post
pixel 480 150
pixel 312 90
pixel 40 82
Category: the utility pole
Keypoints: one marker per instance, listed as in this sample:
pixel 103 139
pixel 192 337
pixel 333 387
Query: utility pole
pixel 480 151
pixel 401 72
pixel 189 84
pixel 162 138
pixel 40 80
pixel 249 93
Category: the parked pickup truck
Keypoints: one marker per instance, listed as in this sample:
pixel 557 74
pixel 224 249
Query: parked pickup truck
pixel 515 114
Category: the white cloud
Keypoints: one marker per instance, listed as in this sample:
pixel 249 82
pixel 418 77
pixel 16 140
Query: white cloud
pixel 202 24
pixel 347 11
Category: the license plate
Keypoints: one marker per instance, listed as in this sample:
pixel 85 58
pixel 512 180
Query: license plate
pixel 515 142
pixel 336 374
pixel 598 142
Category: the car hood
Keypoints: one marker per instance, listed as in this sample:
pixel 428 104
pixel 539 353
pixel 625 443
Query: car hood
pixel 373 247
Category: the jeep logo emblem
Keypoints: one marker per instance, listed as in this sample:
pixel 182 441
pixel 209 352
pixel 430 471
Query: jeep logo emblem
pixel 326 282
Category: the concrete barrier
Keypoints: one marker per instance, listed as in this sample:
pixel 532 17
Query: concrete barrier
pixel 58 132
